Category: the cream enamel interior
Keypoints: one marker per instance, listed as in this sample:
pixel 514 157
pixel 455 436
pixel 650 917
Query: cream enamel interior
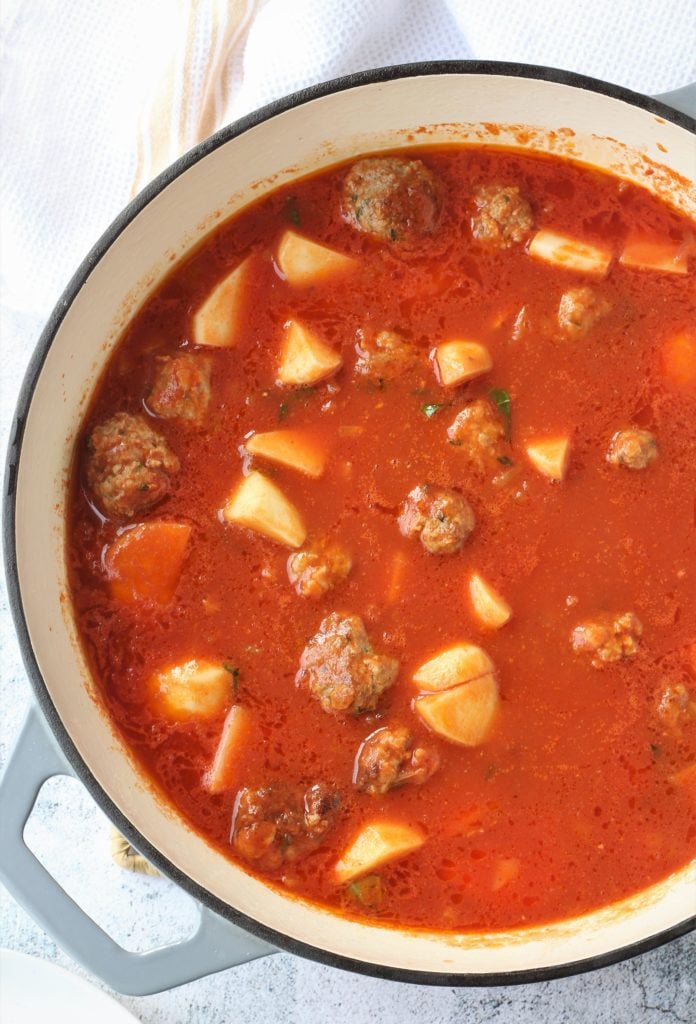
pixel 596 129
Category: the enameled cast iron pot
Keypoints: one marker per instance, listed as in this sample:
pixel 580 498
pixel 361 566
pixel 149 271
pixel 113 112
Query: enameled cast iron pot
pixel 503 104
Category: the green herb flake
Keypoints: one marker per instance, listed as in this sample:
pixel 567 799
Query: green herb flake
pixel 367 891
pixel 393 234
pixel 283 410
pixel 292 212
pixel 234 672
pixel 502 402
pixel 505 461
pixel 430 409
pixel 655 751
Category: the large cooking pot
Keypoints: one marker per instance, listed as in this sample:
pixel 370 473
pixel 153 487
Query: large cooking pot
pixel 503 104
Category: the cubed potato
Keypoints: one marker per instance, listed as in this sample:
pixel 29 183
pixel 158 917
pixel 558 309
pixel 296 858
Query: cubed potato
pixel 458 360
pixel 679 361
pixel 216 322
pixel 304 358
pixel 489 607
pixel 458 664
pixel 261 506
pixel 569 253
pixel 223 772
pixel 550 457
pixel 464 714
pixel 193 689
pixel 144 563
pixel 375 844
pixel 293 448
pixel 302 261
pixel 643 252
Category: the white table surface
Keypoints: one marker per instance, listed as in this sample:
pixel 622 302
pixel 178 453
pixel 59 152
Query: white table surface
pixel 142 912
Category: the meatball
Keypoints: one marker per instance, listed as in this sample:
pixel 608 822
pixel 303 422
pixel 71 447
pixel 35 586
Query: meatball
pixel 340 669
pixel 580 309
pixel 392 198
pixel 181 389
pixel 502 217
pixel 315 571
pixel 632 448
pixel 387 758
pixel 129 465
pixel 608 638
pixel 385 356
pixel 277 824
pixel 442 519
pixel 479 431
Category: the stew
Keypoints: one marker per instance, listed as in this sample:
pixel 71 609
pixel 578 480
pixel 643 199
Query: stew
pixel 382 538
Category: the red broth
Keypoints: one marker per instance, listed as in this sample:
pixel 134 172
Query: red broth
pixel 583 791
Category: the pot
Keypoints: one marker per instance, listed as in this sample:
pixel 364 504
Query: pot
pixel 508 105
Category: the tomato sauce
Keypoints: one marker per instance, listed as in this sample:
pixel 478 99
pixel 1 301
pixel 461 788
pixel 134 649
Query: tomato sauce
pixel 574 800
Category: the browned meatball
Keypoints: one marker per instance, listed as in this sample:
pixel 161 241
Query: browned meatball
pixel 388 758
pixel 317 570
pixel 340 669
pixel 442 519
pixel 580 309
pixel 502 217
pixel 392 198
pixel 181 389
pixel 608 638
pixel 479 431
pixel 129 465
pixel 632 448
pixel 277 824
pixel 385 356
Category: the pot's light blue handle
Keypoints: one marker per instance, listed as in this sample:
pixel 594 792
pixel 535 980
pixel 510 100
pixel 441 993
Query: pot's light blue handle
pixel 215 946
pixel 683 100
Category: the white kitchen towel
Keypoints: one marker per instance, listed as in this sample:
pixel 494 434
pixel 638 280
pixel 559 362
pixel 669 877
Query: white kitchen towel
pixel 96 96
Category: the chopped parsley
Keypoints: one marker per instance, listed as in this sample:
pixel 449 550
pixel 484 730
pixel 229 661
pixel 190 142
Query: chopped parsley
pixel 430 409
pixel 502 402
pixel 283 410
pixel 367 891
pixel 292 212
pixel 504 460
pixel 234 672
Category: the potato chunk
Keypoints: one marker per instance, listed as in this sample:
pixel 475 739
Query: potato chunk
pixel 261 506
pixel 303 261
pixel 293 448
pixel 664 255
pixel 375 844
pixel 304 358
pixel 222 773
pixel 550 457
pixel 215 322
pixel 458 664
pixel 193 689
pixel 464 714
pixel 569 253
pixel 458 360
pixel 490 608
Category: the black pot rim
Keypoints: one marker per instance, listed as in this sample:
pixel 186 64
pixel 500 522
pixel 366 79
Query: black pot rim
pixel 271 935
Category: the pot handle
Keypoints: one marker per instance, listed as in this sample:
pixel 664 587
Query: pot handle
pixel 683 99
pixel 216 945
